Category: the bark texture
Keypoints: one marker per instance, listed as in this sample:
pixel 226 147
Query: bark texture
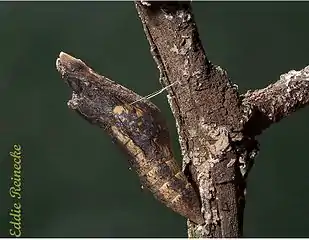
pixel 216 125
pixel 278 100
pixel 209 115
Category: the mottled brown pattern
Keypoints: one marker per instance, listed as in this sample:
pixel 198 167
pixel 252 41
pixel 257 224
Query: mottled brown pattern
pixel 138 128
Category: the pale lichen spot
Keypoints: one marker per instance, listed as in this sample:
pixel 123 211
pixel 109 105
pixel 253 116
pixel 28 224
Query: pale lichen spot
pixel 168 16
pixel 199 228
pixel 74 102
pixel 145 3
pixel 174 49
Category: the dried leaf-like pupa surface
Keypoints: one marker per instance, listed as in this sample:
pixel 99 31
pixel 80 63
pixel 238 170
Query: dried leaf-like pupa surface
pixel 138 128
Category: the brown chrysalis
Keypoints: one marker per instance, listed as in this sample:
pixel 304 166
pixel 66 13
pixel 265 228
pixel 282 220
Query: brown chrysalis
pixel 138 128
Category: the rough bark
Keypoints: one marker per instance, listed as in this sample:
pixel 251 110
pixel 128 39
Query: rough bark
pixel 216 125
pixel 208 113
pixel 278 100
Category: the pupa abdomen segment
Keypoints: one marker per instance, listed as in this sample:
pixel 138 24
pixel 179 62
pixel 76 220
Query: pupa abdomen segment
pixel 138 128
pixel 145 137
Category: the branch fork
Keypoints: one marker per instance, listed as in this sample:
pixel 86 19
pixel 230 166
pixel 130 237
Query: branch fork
pixel 216 125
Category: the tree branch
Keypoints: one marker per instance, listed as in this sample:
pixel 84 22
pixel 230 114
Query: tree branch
pixel 278 100
pixel 208 115
pixel 216 126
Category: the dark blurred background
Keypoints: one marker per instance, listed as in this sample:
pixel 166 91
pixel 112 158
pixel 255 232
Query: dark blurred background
pixel 76 182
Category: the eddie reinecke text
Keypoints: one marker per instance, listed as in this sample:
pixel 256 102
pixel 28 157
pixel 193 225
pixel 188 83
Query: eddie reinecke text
pixel 15 192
